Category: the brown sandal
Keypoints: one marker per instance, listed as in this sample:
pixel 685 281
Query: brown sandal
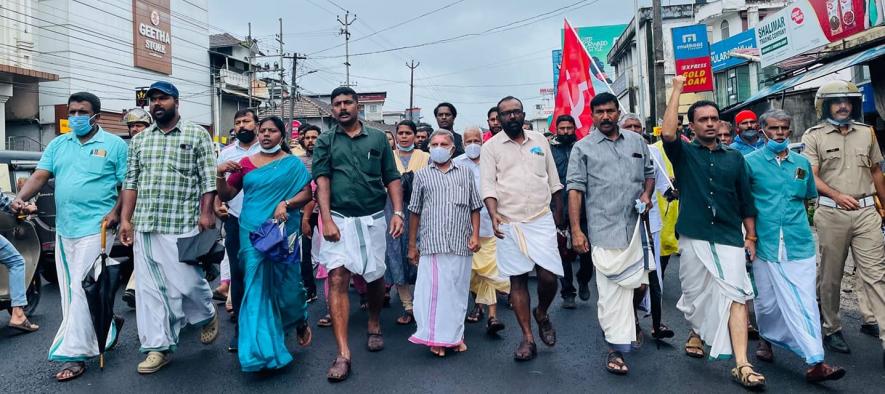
pixel 325 321
pixel 339 371
pixel 616 359
pixel 694 347
pixel 305 335
pixel 406 319
pixel 25 326
pixel 476 315
pixel 76 368
pixel 526 351
pixel 375 342
pixel 742 377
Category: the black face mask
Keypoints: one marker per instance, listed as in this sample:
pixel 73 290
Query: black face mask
pixel 567 139
pixel 246 136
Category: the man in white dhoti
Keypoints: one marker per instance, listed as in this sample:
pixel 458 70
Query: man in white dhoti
pixel 89 165
pixel 613 173
pixel 654 293
pixel 445 209
pixel 355 172
pixel 168 195
pixel 785 268
pixel 715 202
pixel 518 178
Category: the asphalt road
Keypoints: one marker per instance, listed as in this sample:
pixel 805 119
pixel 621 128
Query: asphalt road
pixel 575 364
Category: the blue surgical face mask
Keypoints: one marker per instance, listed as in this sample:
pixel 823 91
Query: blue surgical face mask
pixel 440 155
pixel 270 151
pixel 473 150
pixel 405 148
pixel 777 147
pixel 80 124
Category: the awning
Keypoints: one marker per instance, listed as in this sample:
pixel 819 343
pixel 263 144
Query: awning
pixel 819 72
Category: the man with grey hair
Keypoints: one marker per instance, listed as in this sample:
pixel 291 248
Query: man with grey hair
pixel 784 268
pixel 485 280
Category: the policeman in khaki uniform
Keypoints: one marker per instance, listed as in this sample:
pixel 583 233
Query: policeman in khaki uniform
pixel 845 160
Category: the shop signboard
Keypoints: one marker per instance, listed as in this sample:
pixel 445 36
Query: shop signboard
pixel 692 53
pixel 720 51
pixel 152 35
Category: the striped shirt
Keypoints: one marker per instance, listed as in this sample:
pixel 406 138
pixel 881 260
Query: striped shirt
pixel 445 201
pixel 170 171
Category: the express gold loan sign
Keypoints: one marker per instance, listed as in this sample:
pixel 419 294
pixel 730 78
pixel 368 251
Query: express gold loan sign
pixel 152 33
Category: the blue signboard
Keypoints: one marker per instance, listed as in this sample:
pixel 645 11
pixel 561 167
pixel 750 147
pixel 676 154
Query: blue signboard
pixel 690 42
pixel 719 50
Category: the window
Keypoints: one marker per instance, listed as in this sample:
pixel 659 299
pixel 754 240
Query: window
pixel 724 31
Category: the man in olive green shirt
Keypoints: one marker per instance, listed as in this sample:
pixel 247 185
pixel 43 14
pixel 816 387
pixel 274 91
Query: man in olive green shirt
pixel 352 166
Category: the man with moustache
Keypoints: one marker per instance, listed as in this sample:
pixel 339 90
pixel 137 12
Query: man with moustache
pixel 716 202
pixel 845 157
pixel 612 173
pixel 421 134
pixel 307 139
pixel 494 124
pixel 246 144
pixel 749 138
pixel 445 114
pixel 355 172
pixel 562 149
pixel 521 218
pixel 168 195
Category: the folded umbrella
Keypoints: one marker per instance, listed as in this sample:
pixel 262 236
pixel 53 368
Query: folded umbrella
pixel 100 286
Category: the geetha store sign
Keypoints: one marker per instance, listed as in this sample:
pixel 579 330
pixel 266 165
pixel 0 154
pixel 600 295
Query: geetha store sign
pixel 692 53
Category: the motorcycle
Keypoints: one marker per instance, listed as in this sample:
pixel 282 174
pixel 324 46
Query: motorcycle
pixel 22 234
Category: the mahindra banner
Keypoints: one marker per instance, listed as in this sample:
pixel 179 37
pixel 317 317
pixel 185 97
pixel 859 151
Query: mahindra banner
pixel 806 25
pixel 692 53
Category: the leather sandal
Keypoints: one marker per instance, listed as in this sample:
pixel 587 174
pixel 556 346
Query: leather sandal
pixel 694 347
pixel 742 376
pixel 616 359
pixel 494 326
pixel 545 328
pixel 339 371
pixel 526 351
pixel 375 342
pixel 75 368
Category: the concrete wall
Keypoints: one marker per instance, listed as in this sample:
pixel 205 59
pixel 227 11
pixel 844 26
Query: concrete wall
pixel 97 57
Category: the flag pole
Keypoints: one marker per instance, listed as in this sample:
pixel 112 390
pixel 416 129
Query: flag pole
pixel 593 64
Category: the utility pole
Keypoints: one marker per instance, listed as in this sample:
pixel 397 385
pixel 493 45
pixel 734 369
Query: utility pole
pixel 660 86
pixel 345 31
pixel 293 94
pixel 412 68
pixel 640 109
pixel 251 69
pixel 282 55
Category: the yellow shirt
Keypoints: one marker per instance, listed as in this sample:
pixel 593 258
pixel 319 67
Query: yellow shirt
pixel 419 160
pixel 669 211
pixel 521 177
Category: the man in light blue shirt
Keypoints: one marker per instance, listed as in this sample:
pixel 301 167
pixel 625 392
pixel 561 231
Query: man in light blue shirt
pixel 89 166
pixel 245 145
pixel 785 268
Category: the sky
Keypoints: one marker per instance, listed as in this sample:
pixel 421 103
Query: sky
pixel 473 71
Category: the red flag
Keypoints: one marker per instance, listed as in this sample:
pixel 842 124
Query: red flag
pixel 575 86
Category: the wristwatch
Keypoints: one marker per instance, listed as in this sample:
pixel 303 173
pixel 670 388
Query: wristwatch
pixel 400 214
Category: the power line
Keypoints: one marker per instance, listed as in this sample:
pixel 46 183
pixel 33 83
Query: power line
pixel 345 31
pixel 497 29
pixel 394 26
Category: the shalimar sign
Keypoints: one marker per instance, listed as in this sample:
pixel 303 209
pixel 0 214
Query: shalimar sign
pixel 152 35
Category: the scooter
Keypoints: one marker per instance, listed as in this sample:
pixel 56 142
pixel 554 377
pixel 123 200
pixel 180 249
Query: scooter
pixel 22 234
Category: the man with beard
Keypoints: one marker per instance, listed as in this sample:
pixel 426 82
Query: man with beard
pixel 421 135
pixel 749 139
pixel 522 220
pixel 445 114
pixel 355 172
pixel 88 165
pixel 245 127
pixel 845 159
pixel 562 149
pixel 494 124
pixel 614 171
pixel 716 202
pixel 307 139
pixel 168 195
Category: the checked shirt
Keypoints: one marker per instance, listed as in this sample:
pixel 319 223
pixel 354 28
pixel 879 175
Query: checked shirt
pixel 170 171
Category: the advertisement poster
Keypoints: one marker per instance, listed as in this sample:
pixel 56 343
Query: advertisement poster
pixel 598 40
pixel 692 53
pixel 805 25
pixel 720 51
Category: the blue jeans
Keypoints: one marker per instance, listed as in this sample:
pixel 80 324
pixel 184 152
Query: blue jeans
pixel 14 262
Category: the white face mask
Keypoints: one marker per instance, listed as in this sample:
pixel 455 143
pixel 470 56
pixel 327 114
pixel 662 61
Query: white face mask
pixel 275 149
pixel 473 150
pixel 440 155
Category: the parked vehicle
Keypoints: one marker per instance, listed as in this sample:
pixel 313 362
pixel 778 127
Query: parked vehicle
pixel 22 234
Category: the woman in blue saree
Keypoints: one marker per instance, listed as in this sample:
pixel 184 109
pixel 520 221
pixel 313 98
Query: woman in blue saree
pixel 275 185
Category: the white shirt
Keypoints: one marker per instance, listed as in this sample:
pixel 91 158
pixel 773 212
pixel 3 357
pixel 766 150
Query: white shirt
pixel 662 183
pixel 485 221
pixel 234 152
